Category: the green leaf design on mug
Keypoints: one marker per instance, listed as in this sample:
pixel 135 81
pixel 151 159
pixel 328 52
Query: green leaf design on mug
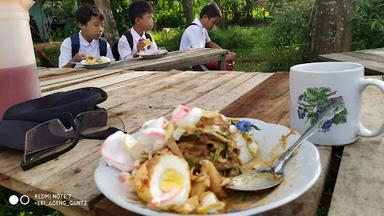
pixel 313 101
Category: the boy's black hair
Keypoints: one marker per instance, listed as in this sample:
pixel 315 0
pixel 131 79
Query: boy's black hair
pixel 211 10
pixel 138 9
pixel 86 12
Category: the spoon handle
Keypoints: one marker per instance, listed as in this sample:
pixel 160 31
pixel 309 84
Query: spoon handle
pixel 336 106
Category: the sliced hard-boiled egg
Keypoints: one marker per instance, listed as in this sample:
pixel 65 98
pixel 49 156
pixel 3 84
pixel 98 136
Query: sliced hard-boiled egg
pixel 115 154
pixel 184 116
pixel 163 181
pixel 209 203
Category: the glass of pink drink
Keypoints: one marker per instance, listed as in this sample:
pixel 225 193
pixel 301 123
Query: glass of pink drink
pixel 19 79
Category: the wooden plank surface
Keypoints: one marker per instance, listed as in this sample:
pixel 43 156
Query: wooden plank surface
pixel 359 188
pixel 137 96
pixel 373 59
pixel 174 60
pixel 268 101
pixel 100 81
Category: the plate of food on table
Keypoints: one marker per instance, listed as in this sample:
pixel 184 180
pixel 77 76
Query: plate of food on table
pixel 92 63
pixel 182 165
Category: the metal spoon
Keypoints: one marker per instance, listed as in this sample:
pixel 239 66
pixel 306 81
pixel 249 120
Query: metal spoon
pixel 272 176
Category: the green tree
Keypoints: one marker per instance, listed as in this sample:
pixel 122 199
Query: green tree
pixel 188 10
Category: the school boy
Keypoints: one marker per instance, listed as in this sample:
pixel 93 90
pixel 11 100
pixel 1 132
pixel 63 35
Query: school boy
pixel 196 35
pixel 88 42
pixel 137 38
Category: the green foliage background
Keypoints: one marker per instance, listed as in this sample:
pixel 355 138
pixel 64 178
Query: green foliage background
pixel 368 24
pixel 169 13
pixel 64 12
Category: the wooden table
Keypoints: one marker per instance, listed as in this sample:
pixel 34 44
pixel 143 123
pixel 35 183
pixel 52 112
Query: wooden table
pixel 176 60
pixel 139 96
pixel 372 59
pixel 172 60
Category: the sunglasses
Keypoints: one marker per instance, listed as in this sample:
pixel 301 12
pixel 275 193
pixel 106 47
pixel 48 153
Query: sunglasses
pixel 55 137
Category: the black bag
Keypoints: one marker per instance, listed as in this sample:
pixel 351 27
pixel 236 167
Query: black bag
pixel 20 118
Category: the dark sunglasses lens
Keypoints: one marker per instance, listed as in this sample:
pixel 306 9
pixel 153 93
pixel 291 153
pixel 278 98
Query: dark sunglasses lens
pixel 47 138
pixel 94 121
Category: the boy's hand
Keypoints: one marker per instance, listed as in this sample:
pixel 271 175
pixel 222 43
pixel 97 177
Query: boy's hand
pixel 140 45
pixel 78 57
pixel 230 56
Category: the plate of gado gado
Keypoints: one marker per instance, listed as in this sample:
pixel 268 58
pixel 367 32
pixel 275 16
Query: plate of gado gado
pixel 93 63
pixel 181 165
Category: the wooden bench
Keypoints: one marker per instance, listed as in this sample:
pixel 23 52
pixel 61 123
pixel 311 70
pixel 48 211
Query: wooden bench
pixel 372 59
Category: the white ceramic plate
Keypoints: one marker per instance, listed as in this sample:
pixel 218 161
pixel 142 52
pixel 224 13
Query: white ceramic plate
pixel 95 66
pixel 148 54
pixel 301 172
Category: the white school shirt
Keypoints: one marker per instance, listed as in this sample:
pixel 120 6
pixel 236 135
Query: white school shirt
pixel 195 36
pixel 89 49
pixel 124 48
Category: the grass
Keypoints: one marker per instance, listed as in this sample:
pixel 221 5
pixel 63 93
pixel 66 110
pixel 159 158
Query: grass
pixel 249 60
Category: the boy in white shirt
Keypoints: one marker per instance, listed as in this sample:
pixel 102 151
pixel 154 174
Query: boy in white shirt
pixel 88 42
pixel 137 38
pixel 196 35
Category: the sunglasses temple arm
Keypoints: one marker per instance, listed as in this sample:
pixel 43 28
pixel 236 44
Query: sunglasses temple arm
pixel 29 164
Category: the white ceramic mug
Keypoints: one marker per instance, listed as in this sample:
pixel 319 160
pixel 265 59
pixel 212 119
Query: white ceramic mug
pixel 314 85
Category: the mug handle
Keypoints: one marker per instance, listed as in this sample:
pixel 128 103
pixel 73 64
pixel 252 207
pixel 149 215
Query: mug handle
pixel 362 130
